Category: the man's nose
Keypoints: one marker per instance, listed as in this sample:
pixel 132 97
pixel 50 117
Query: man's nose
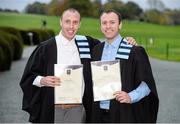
pixel 71 25
pixel 108 25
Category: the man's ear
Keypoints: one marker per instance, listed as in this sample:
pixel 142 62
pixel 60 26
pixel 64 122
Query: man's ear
pixel 60 22
pixel 120 25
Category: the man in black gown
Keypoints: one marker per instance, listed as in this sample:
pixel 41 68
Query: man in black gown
pixel 38 80
pixel 138 100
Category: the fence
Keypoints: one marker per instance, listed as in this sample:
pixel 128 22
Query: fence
pixel 161 48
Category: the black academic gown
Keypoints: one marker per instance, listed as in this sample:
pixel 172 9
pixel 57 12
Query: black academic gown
pixel 39 102
pixel 133 70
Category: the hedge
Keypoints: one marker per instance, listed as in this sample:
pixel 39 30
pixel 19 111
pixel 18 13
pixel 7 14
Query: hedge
pixel 12 31
pixel 7 54
pixel 11 43
pixel 1 57
pixel 15 44
pixel 25 37
pixel 17 47
pixel 50 32
pixel 40 35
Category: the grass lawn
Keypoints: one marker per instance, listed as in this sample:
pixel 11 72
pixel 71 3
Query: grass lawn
pixel 152 36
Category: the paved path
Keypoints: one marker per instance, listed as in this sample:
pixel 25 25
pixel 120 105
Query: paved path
pixel 166 75
pixel 10 92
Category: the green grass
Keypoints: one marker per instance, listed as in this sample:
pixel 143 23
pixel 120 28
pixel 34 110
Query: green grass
pixel 162 36
pixel 141 31
pixel 26 21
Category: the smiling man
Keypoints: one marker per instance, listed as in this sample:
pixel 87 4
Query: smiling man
pixel 138 100
pixel 38 80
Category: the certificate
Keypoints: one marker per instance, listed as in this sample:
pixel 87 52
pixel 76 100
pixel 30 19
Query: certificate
pixel 106 79
pixel 71 86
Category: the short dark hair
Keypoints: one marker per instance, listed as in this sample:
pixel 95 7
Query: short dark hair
pixel 71 10
pixel 113 11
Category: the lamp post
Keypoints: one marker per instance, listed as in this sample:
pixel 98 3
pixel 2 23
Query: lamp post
pixel 30 34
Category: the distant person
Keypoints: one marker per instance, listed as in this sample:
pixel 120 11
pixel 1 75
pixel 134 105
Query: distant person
pixel 138 101
pixel 38 80
pixel 44 23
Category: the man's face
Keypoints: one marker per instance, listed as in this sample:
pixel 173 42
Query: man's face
pixel 109 25
pixel 70 23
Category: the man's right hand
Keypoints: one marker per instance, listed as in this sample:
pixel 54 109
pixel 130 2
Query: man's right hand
pixel 50 81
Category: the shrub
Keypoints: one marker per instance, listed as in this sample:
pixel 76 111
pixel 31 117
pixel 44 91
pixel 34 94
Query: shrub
pixel 12 31
pixel 1 57
pixel 7 54
pixel 15 44
pixel 50 33
pixel 36 38
pixel 13 37
pixel 17 48
pixel 154 16
pixel 40 35
pixel 25 37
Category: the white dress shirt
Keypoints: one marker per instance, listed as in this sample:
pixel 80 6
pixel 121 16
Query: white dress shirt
pixel 67 53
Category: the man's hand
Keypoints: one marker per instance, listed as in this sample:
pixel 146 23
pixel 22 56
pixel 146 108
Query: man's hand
pixel 122 97
pixel 131 40
pixel 50 81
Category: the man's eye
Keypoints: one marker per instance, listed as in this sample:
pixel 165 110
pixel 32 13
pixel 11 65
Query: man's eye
pixel 113 22
pixel 103 23
pixel 67 21
pixel 76 22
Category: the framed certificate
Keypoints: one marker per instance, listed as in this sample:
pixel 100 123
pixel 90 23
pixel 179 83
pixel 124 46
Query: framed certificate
pixel 106 79
pixel 71 87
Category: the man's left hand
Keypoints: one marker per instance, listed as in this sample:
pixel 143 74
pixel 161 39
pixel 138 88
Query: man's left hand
pixel 122 97
pixel 131 40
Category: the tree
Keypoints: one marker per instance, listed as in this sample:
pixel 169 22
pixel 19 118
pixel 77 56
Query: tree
pixel 113 4
pixel 96 8
pixel 156 4
pixel 157 17
pixel 118 6
pixel 83 6
pixel 174 15
pixel 133 10
pixel 128 11
pixel 36 8
pixel 56 7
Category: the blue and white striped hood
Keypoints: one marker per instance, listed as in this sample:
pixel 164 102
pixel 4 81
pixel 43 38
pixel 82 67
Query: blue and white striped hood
pixel 123 50
pixel 83 46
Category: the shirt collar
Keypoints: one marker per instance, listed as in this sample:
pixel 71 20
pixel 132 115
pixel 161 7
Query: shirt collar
pixel 64 40
pixel 115 43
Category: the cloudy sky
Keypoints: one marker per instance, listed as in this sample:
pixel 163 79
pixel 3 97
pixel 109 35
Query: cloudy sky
pixel 172 4
pixel 20 4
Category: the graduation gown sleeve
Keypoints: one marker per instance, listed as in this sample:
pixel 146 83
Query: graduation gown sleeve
pixel 31 93
pixel 146 109
pixel 133 71
pixel 39 102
